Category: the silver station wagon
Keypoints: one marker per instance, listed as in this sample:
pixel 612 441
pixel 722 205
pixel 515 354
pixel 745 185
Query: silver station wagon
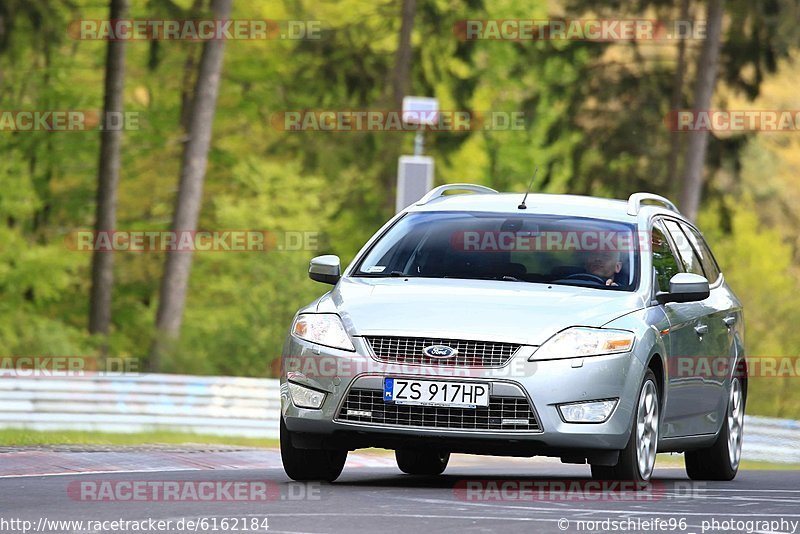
pixel 592 330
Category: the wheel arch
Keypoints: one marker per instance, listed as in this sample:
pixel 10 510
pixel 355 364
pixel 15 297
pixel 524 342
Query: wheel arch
pixel 656 364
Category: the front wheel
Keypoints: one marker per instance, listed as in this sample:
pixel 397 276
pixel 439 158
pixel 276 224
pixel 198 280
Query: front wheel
pixel 416 462
pixel 721 460
pixel 638 459
pixel 309 464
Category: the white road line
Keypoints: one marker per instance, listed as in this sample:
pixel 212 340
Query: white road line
pixel 416 516
pixel 753 490
pixel 110 472
pixel 357 462
pixel 600 511
pixel 677 498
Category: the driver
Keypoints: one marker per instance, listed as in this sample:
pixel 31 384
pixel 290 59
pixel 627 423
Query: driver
pixel 604 264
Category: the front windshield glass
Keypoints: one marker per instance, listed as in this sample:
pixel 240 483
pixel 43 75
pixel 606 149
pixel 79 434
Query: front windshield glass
pixel 548 249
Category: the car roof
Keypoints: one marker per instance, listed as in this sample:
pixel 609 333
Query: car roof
pixel 542 203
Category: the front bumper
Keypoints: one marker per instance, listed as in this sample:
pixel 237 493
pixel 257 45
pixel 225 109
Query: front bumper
pixel 545 385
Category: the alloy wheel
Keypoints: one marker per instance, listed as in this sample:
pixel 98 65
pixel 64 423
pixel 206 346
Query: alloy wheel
pixel 647 430
pixel 735 423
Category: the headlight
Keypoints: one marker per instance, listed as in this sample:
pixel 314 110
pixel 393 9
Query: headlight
pixel 587 412
pixel 582 341
pixel 323 328
pixel 304 397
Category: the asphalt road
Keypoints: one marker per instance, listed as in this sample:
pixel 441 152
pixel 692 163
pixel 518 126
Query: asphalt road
pixel 473 495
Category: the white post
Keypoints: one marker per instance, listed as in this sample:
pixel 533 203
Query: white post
pixel 414 179
pixel 415 173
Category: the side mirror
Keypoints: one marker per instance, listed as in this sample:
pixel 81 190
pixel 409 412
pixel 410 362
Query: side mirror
pixel 325 269
pixel 685 287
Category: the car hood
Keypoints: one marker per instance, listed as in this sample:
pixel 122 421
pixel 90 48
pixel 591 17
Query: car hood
pixel 488 310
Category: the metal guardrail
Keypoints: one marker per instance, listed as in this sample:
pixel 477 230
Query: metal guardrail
pixel 771 440
pixel 225 406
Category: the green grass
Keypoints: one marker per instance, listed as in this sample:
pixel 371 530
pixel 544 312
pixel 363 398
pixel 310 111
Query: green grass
pixel 676 460
pixel 22 437
pixel 769 465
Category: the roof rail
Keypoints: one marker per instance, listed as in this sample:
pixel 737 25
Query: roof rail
pixel 442 189
pixel 635 202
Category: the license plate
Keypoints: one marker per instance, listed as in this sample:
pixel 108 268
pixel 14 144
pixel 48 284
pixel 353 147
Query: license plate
pixel 435 393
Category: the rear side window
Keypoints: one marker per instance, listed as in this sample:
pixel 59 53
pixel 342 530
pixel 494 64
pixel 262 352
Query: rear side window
pixel 690 259
pixel 706 257
pixel 664 262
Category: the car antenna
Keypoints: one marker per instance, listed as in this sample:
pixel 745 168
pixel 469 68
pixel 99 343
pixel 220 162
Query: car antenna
pixel 522 206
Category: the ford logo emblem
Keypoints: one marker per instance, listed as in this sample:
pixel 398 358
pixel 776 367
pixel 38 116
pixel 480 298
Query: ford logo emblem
pixel 439 351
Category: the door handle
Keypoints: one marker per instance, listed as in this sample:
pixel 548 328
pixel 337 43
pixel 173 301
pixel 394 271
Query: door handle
pixel 729 320
pixel 701 329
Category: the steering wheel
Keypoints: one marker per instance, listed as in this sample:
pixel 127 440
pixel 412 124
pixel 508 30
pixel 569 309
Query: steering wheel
pixel 587 277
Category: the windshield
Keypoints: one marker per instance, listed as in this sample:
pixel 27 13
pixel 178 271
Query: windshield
pixel 548 249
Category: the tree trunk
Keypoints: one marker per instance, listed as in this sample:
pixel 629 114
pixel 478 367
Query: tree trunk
pixel 188 74
pixel 676 102
pixel 402 65
pixel 108 179
pixel 190 192
pixel 401 81
pixel 704 89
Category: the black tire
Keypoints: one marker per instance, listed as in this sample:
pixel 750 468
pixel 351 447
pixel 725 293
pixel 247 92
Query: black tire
pixel 627 467
pixel 715 463
pixel 416 462
pixel 309 464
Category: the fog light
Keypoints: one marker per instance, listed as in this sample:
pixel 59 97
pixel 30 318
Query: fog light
pixel 304 397
pixel 587 412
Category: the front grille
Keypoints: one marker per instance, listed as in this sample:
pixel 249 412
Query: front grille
pixel 516 412
pixel 408 350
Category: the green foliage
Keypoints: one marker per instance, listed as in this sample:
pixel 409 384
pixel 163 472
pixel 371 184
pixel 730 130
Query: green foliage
pixel 758 263
pixel 241 303
pixel 593 123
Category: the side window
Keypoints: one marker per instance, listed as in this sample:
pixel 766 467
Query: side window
pixel 664 262
pixel 706 257
pixel 691 262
